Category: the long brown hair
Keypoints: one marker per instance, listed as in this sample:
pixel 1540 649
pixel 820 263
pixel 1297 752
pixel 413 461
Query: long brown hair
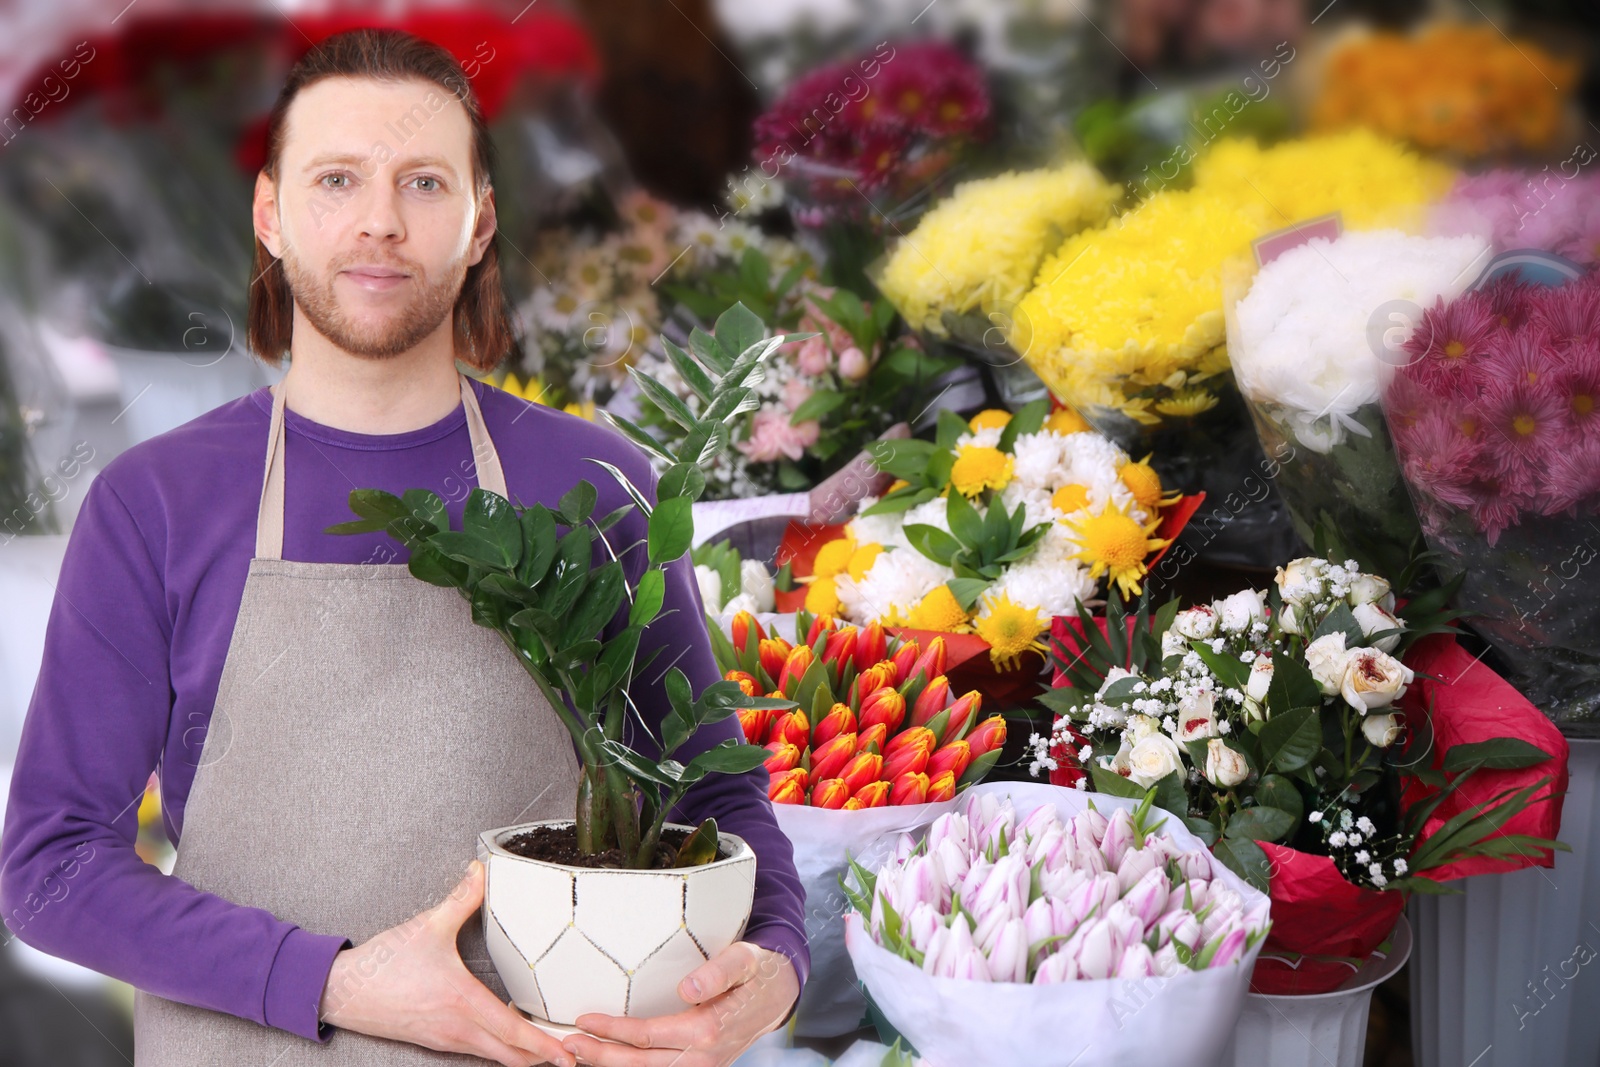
pixel 482 322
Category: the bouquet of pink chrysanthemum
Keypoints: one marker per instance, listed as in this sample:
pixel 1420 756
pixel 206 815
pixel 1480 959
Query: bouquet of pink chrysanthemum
pixel 854 139
pixel 1526 209
pixel 1497 429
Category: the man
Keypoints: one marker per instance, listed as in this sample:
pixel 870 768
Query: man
pixel 331 733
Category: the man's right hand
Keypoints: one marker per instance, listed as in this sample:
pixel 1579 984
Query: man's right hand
pixel 409 984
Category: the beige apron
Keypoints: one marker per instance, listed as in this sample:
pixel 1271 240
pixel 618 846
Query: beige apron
pixel 365 732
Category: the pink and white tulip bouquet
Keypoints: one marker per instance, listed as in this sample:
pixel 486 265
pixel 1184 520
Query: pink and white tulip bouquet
pixel 1090 909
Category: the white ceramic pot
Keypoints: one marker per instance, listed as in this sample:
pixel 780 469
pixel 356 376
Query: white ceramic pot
pixel 569 940
pixel 1320 1029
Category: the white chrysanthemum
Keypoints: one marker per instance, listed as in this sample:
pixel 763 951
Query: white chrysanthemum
pixel 873 529
pixel 988 437
pixel 1055 547
pixel 1038 460
pixel 1047 585
pixel 1089 458
pixel 894 583
pixel 932 513
pixel 1036 503
pixel 1306 336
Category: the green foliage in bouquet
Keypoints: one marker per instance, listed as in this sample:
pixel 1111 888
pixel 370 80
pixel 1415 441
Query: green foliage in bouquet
pixel 1279 727
pixel 750 283
pixel 531 575
pixel 849 411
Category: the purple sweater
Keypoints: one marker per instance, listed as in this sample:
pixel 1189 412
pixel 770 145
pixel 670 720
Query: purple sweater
pixel 149 590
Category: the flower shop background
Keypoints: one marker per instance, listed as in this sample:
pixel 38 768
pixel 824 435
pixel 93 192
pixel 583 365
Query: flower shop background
pixel 1036 207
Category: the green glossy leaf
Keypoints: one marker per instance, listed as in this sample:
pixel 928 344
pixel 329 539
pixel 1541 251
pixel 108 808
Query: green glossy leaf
pixel 1171 794
pixel 490 518
pixel 647 598
pixel 932 542
pixel 820 403
pixel 689 370
pixel 949 428
pixel 681 479
pixel 1029 419
pixel 1292 685
pixel 1113 784
pixel 377 504
pixel 663 398
pixel 730 757
pixel 539 544
pixel 1290 739
pixel 1225 665
pixel 1244 858
pixel 602 597
pixel 738 328
pixel 967 590
pixel 671 529
pixel 577 504
pixel 1276 791
pixel 1498 754
pixel 427 506
pixel 433 567
pixel 639 436
pixel 570 574
pixel 1260 824
pixel 1341 620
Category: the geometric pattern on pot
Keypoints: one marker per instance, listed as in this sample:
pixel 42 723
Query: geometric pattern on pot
pixel 612 941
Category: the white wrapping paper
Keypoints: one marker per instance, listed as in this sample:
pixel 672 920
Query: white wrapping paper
pixel 1180 1021
pixel 831 1004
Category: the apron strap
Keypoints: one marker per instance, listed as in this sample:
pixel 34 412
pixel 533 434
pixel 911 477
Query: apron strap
pixel 269 513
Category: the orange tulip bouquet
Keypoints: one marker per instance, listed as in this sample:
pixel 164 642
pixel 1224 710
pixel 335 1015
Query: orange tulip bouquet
pixel 878 746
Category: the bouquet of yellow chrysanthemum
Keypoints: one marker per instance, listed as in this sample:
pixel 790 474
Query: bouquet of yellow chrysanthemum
pixel 974 256
pixel 1125 322
pixel 995 527
pixel 1450 87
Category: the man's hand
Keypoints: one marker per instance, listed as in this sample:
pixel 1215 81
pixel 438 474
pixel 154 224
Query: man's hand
pixel 738 995
pixel 409 984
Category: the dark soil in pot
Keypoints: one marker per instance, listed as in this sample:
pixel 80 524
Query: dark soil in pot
pixel 559 844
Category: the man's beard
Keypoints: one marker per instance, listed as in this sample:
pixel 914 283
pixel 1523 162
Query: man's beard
pixel 415 320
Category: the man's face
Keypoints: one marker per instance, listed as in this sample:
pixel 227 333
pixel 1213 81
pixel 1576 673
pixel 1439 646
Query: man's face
pixel 375 220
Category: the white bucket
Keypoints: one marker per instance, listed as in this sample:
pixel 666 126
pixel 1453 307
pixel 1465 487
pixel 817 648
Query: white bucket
pixel 1319 1030
pixel 1508 971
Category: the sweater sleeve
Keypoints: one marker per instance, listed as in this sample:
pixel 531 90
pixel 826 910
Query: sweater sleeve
pixel 71 883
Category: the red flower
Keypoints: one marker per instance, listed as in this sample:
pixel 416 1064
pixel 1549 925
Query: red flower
pixel 988 735
pixel 909 789
pixel 828 760
pixel 829 793
pixel 954 757
pixel 839 720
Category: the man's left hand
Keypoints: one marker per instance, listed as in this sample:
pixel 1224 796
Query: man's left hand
pixel 739 994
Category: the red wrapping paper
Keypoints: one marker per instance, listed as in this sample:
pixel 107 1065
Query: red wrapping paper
pixel 1472 703
pixel 1323 926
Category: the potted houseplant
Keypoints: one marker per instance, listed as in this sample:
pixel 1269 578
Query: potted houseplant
pixel 607 911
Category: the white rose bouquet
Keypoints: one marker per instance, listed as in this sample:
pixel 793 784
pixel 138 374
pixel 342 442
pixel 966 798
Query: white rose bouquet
pixel 1283 727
